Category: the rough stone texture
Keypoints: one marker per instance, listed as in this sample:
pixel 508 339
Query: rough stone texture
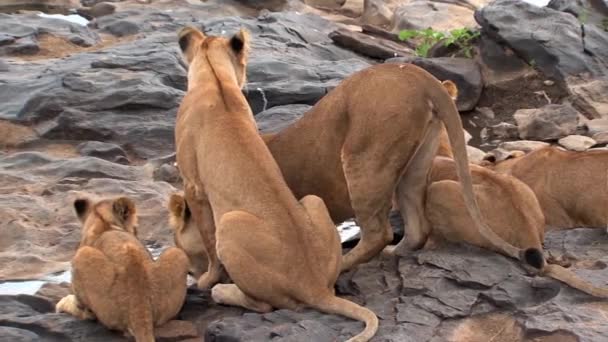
pixel 597 126
pixel 276 118
pixel 441 16
pixel 547 123
pixel 20 34
pixel 503 130
pixel 523 145
pixel 590 97
pixel 589 12
pixel 551 40
pixel 425 296
pixel 107 151
pixel 464 72
pixel 577 142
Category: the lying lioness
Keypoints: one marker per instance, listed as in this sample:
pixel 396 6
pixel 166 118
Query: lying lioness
pixel 114 277
pixel 509 207
pixel 279 252
pixel 570 186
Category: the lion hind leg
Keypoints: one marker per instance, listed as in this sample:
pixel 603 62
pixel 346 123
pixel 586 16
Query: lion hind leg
pixel 371 186
pixel 411 191
pixel 169 276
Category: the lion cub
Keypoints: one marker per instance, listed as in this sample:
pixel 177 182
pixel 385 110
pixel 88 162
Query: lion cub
pixel 114 277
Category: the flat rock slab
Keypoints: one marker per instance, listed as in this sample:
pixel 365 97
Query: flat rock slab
pixel 456 293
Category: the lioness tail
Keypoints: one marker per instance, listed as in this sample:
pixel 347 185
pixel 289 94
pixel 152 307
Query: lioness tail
pixel 337 305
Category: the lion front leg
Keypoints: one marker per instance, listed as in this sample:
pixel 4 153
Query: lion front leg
pixel 202 214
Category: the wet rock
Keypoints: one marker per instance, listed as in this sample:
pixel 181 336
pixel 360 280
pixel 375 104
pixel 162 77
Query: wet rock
pixel 277 118
pixel 523 145
pixel 547 123
pixel 370 46
pixel 558 46
pixel 462 71
pixel 107 151
pixel 577 142
pixel 590 97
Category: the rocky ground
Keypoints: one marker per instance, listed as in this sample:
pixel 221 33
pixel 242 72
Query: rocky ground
pixel 91 109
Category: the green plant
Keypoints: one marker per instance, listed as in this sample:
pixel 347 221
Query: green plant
pixel 427 38
pixel 605 24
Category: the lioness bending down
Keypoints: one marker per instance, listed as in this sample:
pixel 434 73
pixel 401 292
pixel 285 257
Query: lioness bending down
pixel 114 277
pixel 570 186
pixel 372 137
pixel 279 252
pixel 509 207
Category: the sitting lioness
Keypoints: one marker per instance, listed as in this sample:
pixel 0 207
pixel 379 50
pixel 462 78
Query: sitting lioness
pixel 570 186
pixel 114 277
pixel 279 252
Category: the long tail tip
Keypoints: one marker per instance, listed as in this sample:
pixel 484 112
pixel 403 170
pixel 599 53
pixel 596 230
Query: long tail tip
pixel 534 257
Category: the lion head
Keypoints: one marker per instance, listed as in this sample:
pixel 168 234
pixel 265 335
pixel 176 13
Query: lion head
pixel 104 215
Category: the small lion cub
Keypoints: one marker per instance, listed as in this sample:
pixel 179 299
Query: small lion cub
pixel 114 277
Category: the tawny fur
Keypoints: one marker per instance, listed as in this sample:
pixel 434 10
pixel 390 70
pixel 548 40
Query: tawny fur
pixel 509 207
pixel 570 186
pixel 279 252
pixel 372 137
pixel 114 278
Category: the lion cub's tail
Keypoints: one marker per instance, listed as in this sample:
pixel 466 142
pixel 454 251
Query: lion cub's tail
pixel 140 315
pixel 340 306
pixel 562 274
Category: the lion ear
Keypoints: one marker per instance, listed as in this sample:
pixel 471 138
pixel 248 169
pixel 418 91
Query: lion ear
pixel 123 209
pixel 82 206
pixel 188 37
pixel 239 43
pixel 451 88
pixel 176 205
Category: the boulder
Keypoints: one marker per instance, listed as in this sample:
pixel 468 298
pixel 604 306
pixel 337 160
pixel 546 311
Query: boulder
pixel 464 72
pixel 441 16
pixel 590 97
pixel 597 126
pixel 476 155
pixel 277 118
pixel 547 123
pixel 577 143
pixel 370 46
pixel 550 40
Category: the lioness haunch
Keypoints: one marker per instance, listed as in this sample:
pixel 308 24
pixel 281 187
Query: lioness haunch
pixel 114 277
pixel 279 252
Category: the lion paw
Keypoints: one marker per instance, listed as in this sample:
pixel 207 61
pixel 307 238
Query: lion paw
pixel 70 305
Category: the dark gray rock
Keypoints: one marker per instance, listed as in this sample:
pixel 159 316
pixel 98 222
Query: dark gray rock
pixel 551 40
pixel 98 10
pixel 277 118
pixel 463 71
pixel 370 46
